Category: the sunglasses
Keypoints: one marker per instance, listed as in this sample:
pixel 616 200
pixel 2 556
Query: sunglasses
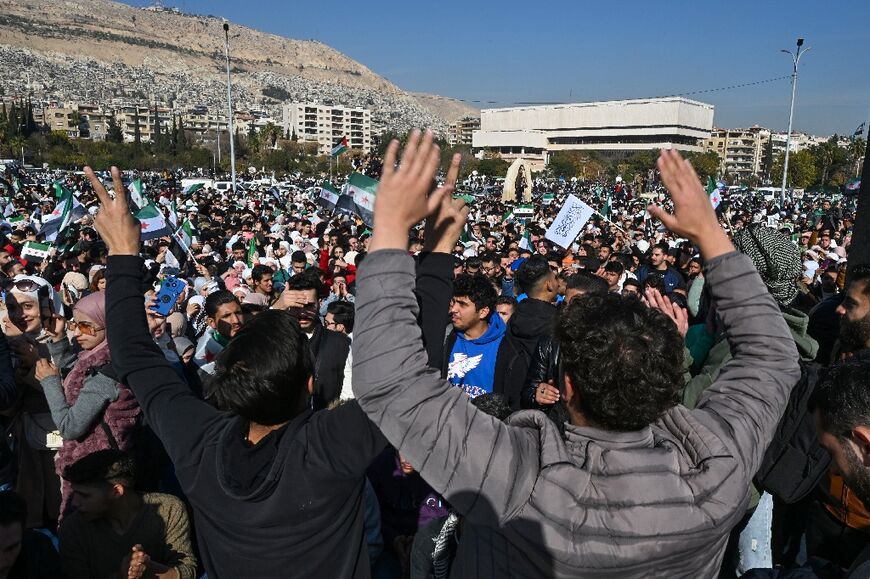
pixel 22 285
pixel 84 328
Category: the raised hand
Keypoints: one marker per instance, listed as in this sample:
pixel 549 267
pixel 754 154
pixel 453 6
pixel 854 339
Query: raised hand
pixel 656 301
pixel 404 197
pixel 114 222
pixel 445 224
pixel 693 215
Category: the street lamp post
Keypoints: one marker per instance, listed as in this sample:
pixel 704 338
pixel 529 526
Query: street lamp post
pixel 796 58
pixel 230 105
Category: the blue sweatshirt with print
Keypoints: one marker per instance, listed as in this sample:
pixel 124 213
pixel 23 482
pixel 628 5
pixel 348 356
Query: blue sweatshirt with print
pixel 472 362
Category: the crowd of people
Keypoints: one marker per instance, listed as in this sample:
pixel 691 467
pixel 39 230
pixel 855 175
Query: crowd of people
pixel 295 389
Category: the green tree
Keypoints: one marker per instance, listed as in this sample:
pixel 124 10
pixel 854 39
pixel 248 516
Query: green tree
pixel 493 167
pixel 706 164
pixel 802 171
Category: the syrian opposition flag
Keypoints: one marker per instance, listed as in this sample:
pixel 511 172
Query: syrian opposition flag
pixel 33 251
pixel 548 198
pixel 173 214
pixel 67 211
pixel 713 193
pixel 59 190
pixel 526 241
pixel 339 148
pixel 363 189
pixel 328 198
pixel 136 195
pixel 192 188
pixel 152 222
pixel 185 234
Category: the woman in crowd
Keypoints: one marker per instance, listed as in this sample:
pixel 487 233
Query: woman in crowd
pixel 91 409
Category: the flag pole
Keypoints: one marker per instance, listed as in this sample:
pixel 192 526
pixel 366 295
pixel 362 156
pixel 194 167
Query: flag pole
pixel 598 213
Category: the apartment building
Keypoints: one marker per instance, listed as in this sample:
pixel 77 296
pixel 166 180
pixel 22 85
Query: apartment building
pixel 326 125
pixel 460 132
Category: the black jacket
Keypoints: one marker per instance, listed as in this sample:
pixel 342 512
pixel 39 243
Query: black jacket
pixel 544 366
pixel 329 350
pixel 292 504
pixel 532 320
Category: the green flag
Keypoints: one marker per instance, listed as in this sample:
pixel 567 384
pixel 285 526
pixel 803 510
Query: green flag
pixel 252 251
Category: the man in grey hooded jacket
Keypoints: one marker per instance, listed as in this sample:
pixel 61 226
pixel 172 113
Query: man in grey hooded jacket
pixel 657 500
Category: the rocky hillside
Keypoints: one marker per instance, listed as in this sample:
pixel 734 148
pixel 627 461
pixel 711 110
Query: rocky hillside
pixel 97 50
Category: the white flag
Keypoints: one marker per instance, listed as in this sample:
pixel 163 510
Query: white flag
pixel 569 222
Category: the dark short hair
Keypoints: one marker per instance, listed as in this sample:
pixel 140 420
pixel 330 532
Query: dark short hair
pixel 842 395
pixel 532 272
pixel 298 257
pixel 306 280
pixel 13 509
pixel 238 245
pixel 506 301
pixel 262 374
pixel 588 283
pixel 108 466
pixel 489 258
pixel 259 271
pixel 614 267
pixel 476 288
pixel 217 299
pixel 624 359
pixel 343 313
pixel 474 262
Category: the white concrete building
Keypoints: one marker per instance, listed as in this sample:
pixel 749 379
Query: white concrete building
pixel 615 128
pixel 326 125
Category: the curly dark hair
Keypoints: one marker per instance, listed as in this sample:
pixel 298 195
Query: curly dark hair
pixel 842 395
pixel 477 288
pixel 624 359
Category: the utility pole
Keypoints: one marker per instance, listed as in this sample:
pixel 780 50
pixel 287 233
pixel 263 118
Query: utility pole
pixel 795 57
pixel 230 104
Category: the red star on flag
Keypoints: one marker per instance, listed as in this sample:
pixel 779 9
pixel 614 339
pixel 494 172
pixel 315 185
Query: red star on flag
pixel 144 226
pixel 365 200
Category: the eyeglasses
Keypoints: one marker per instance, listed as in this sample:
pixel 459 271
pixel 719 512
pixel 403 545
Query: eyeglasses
pixel 84 328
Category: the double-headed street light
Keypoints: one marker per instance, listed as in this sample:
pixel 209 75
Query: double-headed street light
pixel 796 58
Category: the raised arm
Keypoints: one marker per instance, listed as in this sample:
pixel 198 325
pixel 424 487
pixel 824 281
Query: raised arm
pixel 748 398
pixel 464 454
pixel 178 417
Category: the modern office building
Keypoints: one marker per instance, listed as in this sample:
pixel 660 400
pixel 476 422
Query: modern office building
pixel 612 128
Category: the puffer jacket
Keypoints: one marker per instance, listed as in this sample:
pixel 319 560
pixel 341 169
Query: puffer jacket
pixel 658 502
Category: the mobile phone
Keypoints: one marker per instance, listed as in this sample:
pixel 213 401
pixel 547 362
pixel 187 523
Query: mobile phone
pixel 170 289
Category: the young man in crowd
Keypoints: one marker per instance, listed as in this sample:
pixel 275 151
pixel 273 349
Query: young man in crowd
pixel 473 348
pixel 275 488
pixel 640 486
pixel 116 529
pixel 224 318
pixel 262 278
pixel 658 265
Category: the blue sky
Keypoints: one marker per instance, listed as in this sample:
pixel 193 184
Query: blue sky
pixel 511 51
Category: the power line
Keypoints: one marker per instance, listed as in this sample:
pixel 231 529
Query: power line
pixel 537 103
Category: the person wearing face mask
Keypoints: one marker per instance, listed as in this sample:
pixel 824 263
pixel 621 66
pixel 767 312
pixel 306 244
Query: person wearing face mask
pixel 91 409
pixel 34 309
